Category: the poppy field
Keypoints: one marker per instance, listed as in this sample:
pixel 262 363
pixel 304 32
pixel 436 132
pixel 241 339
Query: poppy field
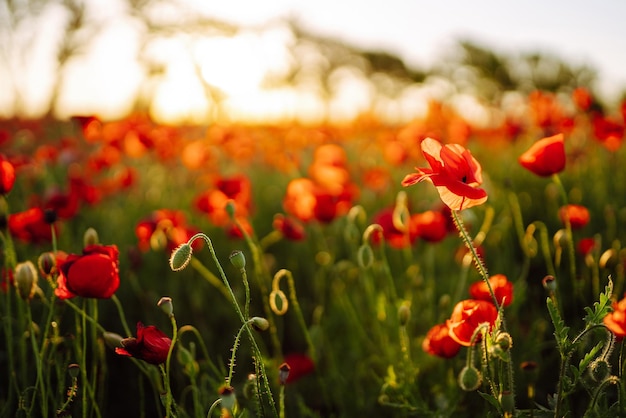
pixel 443 267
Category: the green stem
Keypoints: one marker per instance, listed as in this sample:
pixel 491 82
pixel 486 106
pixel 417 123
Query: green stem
pixel 568 229
pixel 120 310
pixel 231 367
pixel 39 384
pixel 169 399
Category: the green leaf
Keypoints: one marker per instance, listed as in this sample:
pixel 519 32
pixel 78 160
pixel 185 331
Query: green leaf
pixel 560 330
pixel 601 308
pixel 584 362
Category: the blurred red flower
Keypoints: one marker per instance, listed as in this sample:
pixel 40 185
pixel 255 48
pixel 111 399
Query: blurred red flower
pixel 31 226
pixel 431 226
pixel 438 342
pixel 454 172
pixel 7 175
pixel 467 316
pixel 616 321
pixel 545 157
pixel 164 228
pixel 151 345
pixel 502 288
pixel 93 274
pixel 396 238
pixel 300 365
pixel 578 215
pixel 289 227
pixel 213 202
pixel 586 245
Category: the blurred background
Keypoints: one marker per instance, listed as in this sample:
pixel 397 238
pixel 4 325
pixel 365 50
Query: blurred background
pixel 196 61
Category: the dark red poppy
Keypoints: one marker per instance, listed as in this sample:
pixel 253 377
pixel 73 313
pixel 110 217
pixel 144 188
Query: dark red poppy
pixel 289 227
pixel 164 228
pixel 467 316
pixel 300 365
pixel 578 215
pixel 7 175
pixel 545 157
pixel 586 245
pixel 213 202
pixel 94 274
pixel 438 342
pixel 151 345
pixel 454 172
pixel 502 288
pixel 31 226
pixel 616 320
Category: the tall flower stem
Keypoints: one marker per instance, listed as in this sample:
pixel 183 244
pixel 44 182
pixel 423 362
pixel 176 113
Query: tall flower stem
pixel 482 270
pixel 568 228
pixel 257 352
pixel 169 399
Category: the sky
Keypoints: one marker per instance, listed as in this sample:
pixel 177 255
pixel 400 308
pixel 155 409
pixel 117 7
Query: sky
pixel 420 32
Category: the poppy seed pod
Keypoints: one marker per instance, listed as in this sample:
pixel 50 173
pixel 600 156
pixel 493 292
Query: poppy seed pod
pixel 228 398
pixel 73 370
pixel 238 260
pixel 166 306
pixel 181 256
pixel 283 373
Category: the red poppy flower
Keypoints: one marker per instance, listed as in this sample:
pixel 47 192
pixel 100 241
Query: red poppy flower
pixel 94 274
pixel 454 172
pixel 578 215
pixel 151 345
pixel 31 226
pixel 432 226
pixel 616 320
pixel 394 236
pixel 545 157
pixel 289 227
pixel 467 316
pixel 7 175
pixel 586 245
pixel 502 288
pixel 438 342
pixel 300 365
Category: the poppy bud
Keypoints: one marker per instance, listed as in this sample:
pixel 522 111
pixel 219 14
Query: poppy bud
pixel 228 398
pixel 549 283
pixel 238 260
pixel 283 373
pixel 181 256
pixel 260 324
pixel 504 341
pixel 507 401
pixel 560 239
pixel 608 259
pixel 47 263
pixel 230 208
pixel 470 379
pixel 90 237
pixel 599 370
pixel 404 313
pixel 26 279
pixel 249 388
pixel 166 306
pixel 112 340
pixel 365 256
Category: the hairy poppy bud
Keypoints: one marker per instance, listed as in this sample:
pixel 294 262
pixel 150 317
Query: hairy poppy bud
pixel 404 313
pixel 180 257
pixel 599 370
pixel 90 237
pixel 470 378
pixel 47 263
pixel 26 279
pixel 260 324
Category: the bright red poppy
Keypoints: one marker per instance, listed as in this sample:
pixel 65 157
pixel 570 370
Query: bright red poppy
pixel 7 175
pixel 395 237
pixel 454 172
pixel 93 274
pixel 616 320
pixel 438 342
pixel 501 286
pixel 467 316
pixel 545 157
pixel 151 345
pixel 578 215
